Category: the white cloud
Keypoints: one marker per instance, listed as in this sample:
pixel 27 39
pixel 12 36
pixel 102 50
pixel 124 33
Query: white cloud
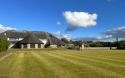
pixel 58 23
pixel 4 28
pixel 80 19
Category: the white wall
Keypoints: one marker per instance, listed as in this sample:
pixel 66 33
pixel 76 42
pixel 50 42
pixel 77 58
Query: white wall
pixel 11 45
pixel 43 40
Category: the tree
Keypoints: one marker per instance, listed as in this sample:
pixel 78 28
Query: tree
pixel 121 45
pixel 77 43
pixel 65 40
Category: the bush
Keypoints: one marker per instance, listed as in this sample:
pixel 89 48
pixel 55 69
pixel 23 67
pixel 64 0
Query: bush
pixel 4 44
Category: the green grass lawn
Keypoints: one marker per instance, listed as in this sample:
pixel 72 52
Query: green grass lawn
pixel 62 63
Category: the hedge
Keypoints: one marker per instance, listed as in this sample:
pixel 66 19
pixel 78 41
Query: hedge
pixel 4 44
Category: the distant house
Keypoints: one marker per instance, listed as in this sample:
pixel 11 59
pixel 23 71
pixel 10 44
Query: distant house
pixel 30 39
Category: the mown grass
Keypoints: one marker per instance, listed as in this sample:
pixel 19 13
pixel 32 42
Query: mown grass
pixel 62 63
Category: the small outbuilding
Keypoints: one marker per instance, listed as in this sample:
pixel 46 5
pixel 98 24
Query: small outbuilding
pixel 31 41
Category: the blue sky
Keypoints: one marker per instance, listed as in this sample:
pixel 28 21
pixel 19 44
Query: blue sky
pixel 43 15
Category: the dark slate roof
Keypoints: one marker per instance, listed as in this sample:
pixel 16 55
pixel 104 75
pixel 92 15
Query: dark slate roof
pixel 55 40
pixel 31 38
pixel 23 34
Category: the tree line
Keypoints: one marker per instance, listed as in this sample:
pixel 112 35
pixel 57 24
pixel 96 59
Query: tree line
pixel 118 44
pixel 4 44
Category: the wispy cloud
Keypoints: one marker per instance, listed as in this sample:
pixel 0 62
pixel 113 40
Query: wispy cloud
pixel 59 35
pixel 87 39
pixel 97 38
pixel 79 19
pixel 58 23
pixel 4 28
pixel 67 36
pixel 108 35
pixel 109 0
pixel 116 32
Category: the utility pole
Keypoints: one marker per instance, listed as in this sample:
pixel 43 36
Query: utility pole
pixel 110 45
pixel 117 42
pixel 6 39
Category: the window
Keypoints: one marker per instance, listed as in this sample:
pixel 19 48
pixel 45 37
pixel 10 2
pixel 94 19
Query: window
pixel 32 45
pixel 39 45
pixel 24 45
